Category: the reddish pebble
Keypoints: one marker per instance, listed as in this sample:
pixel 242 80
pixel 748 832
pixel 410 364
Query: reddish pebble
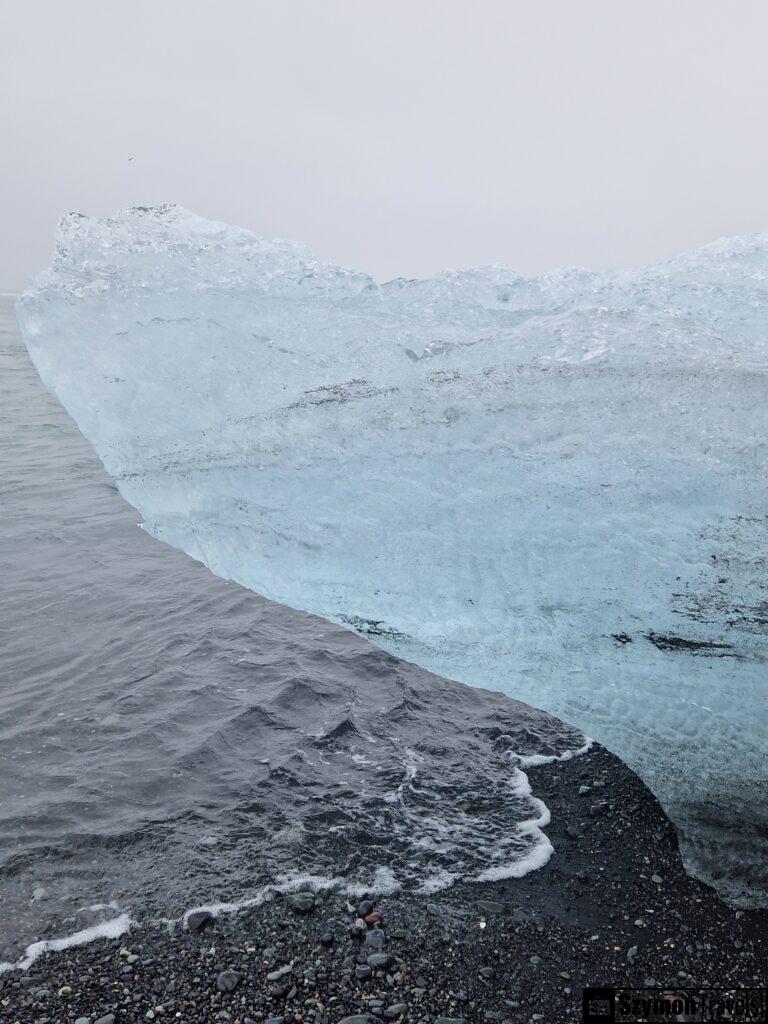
pixel 372 918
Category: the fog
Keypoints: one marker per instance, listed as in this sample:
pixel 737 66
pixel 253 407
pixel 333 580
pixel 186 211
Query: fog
pixel 398 138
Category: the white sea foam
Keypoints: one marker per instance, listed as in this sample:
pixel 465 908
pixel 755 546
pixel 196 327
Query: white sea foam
pixel 541 848
pixel 383 882
pixel 111 929
pixel 442 879
pixel 531 760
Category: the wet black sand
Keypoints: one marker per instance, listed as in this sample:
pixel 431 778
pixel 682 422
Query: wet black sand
pixel 612 907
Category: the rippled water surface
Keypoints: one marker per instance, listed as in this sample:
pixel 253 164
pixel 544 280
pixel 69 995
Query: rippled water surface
pixel 167 738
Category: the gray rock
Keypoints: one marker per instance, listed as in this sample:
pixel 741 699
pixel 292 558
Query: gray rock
pixel 598 809
pixel 109 1018
pixel 228 981
pixel 379 961
pixel 395 1011
pixel 301 902
pixel 362 972
pixel 488 973
pixel 631 953
pixel 83 1020
pixel 375 938
pixel 490 907
pixel 450 1020
pixel 279 973
pixel 198 920
pixel 364 908
pixel 359 1018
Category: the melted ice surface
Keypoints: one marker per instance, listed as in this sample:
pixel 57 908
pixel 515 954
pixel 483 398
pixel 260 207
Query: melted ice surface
pixel 551 486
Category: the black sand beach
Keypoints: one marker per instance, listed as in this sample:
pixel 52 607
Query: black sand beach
pixel 613 907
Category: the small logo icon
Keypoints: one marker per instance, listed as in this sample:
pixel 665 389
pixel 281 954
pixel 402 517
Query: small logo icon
pixel 599 1006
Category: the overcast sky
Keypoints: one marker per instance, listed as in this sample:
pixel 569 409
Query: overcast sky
pixel 398 137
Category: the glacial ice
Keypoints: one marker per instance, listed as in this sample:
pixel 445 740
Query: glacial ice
pixel 554 487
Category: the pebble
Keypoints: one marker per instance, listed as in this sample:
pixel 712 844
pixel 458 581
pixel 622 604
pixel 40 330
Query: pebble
pixel 109 1018
pixel 228 981
pixel 395 1011
pixel 198 920
pixel 301 902
pixel 378 961
pixel 83 1020
pixel 488 972
pixel 373 918
pixel 362 972
pixel 376 939
pixel 280 972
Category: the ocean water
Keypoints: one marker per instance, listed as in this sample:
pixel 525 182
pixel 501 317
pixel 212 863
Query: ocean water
pixel 168 739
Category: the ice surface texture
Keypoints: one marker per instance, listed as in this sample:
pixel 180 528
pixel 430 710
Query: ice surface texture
pixel 555 486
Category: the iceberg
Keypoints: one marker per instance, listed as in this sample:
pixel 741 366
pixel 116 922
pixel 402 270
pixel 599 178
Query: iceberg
pixel 554 487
